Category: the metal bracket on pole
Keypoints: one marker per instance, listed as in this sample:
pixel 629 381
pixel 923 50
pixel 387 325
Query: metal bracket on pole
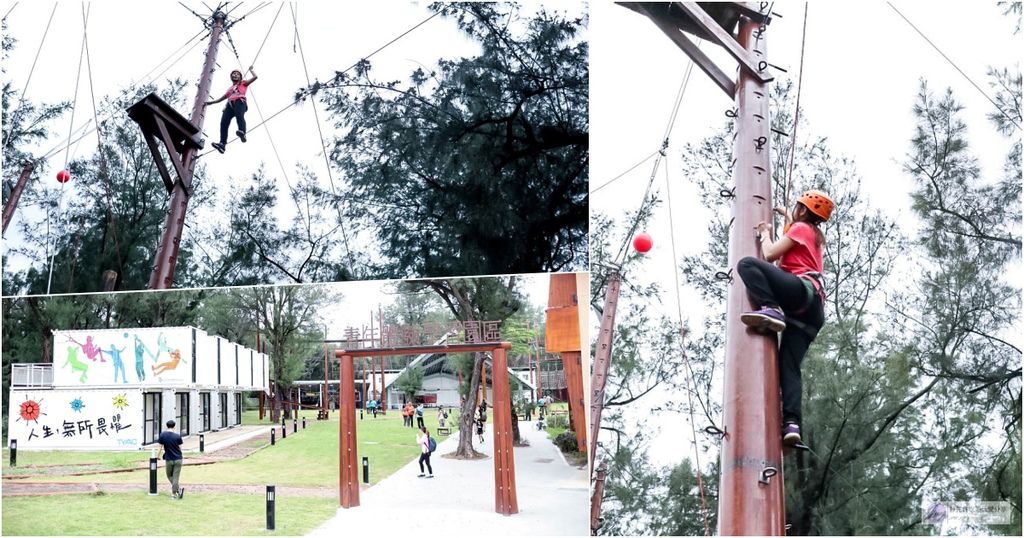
pixel 719 36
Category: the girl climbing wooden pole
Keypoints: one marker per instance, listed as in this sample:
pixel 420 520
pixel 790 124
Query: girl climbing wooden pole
pixel 790 297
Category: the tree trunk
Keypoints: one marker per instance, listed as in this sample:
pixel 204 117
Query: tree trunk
pixel 468 412
pixel 47 332
pixel 275 405
pixel 517 440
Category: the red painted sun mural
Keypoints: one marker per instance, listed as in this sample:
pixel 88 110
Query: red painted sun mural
pixel 30 410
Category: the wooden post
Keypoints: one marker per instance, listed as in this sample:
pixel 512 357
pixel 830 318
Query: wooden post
pixel 347 464
pixel 602 361
pixel 166 257
pixel 750 408
pixel 595 499
pixel 383 390
pixel 15 195
pixel 571 361
pixel 504 460
pixel 262 398
pixel 373 377
pixel 483 381
pixel 366 388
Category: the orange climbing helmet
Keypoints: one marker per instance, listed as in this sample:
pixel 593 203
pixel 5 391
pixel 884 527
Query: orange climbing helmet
pixel 817 202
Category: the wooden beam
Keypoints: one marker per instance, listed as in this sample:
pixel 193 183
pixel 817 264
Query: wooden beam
pixel 165 174
pixel 179 167
pixel 747 60
pixel 690 48
pixel 419 350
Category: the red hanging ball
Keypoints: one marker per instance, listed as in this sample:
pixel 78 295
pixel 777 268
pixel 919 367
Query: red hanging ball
pixel 63 176
pixel 642 243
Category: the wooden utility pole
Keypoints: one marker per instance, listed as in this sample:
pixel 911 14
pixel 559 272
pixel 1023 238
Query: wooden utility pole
pixel 174 223
pixel 19 187
pixel 602 361
pixel 595 498
pixel 751 498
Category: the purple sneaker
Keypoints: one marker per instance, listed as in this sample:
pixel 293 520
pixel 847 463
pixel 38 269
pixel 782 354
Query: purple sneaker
pixel 766 320
pixel 791 434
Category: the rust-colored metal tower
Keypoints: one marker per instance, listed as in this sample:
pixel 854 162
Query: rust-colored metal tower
pixel 751 496
pixel 181 139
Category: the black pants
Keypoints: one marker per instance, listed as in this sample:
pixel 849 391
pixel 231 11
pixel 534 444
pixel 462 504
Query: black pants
pixel 419 422
pixel 425 458
pixel 767 285
pixel 234 109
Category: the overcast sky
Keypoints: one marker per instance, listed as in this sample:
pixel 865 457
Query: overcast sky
pixel 127 42
pixel 862 68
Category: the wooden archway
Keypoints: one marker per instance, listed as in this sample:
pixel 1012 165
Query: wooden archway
pixel 504 460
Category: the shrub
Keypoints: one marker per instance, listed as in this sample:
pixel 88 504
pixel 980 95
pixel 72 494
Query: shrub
pixel 558 421
pixel 566 442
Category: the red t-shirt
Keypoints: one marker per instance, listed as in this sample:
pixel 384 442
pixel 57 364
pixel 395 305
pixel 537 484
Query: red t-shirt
pixel 805 256
pixel 236 91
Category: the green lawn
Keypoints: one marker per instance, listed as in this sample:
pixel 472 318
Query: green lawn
pixel 306 458
pixel 140 514
pixel 34 462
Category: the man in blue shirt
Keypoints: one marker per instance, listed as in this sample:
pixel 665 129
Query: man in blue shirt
pixel 171 443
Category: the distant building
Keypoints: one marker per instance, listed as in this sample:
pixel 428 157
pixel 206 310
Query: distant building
pixel 115 388
pixel 441 383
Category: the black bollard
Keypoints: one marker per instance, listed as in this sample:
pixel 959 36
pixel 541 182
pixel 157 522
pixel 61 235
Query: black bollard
pixel 152 474
pixel 284 432
pixel 303 422
pixel 270 507
pixel 202 443
pixel 14 452
pixel 366 470
pixel 360 414
pixel 295 426
pixel 273 436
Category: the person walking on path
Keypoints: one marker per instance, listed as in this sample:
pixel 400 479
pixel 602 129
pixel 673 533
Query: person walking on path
pixel 171 442
pixel 426 447
pixel 419 416
pixel 236 108
pixel 791 297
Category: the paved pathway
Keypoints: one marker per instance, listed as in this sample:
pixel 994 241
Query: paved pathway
pixel 459 501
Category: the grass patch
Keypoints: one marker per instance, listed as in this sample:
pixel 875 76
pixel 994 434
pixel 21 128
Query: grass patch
pixel 114 514
pixel 308 458
pixel 31 462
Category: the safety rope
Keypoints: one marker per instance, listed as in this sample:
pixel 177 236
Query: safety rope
pixel 323 145
pixel 21 99
pixel 273 146
pixel 347 69
pixel 620 257
pixel 796 117
pixel 67 154
pixel 955 66
pixel 690 390
pixel 104 171
pixel 14 5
